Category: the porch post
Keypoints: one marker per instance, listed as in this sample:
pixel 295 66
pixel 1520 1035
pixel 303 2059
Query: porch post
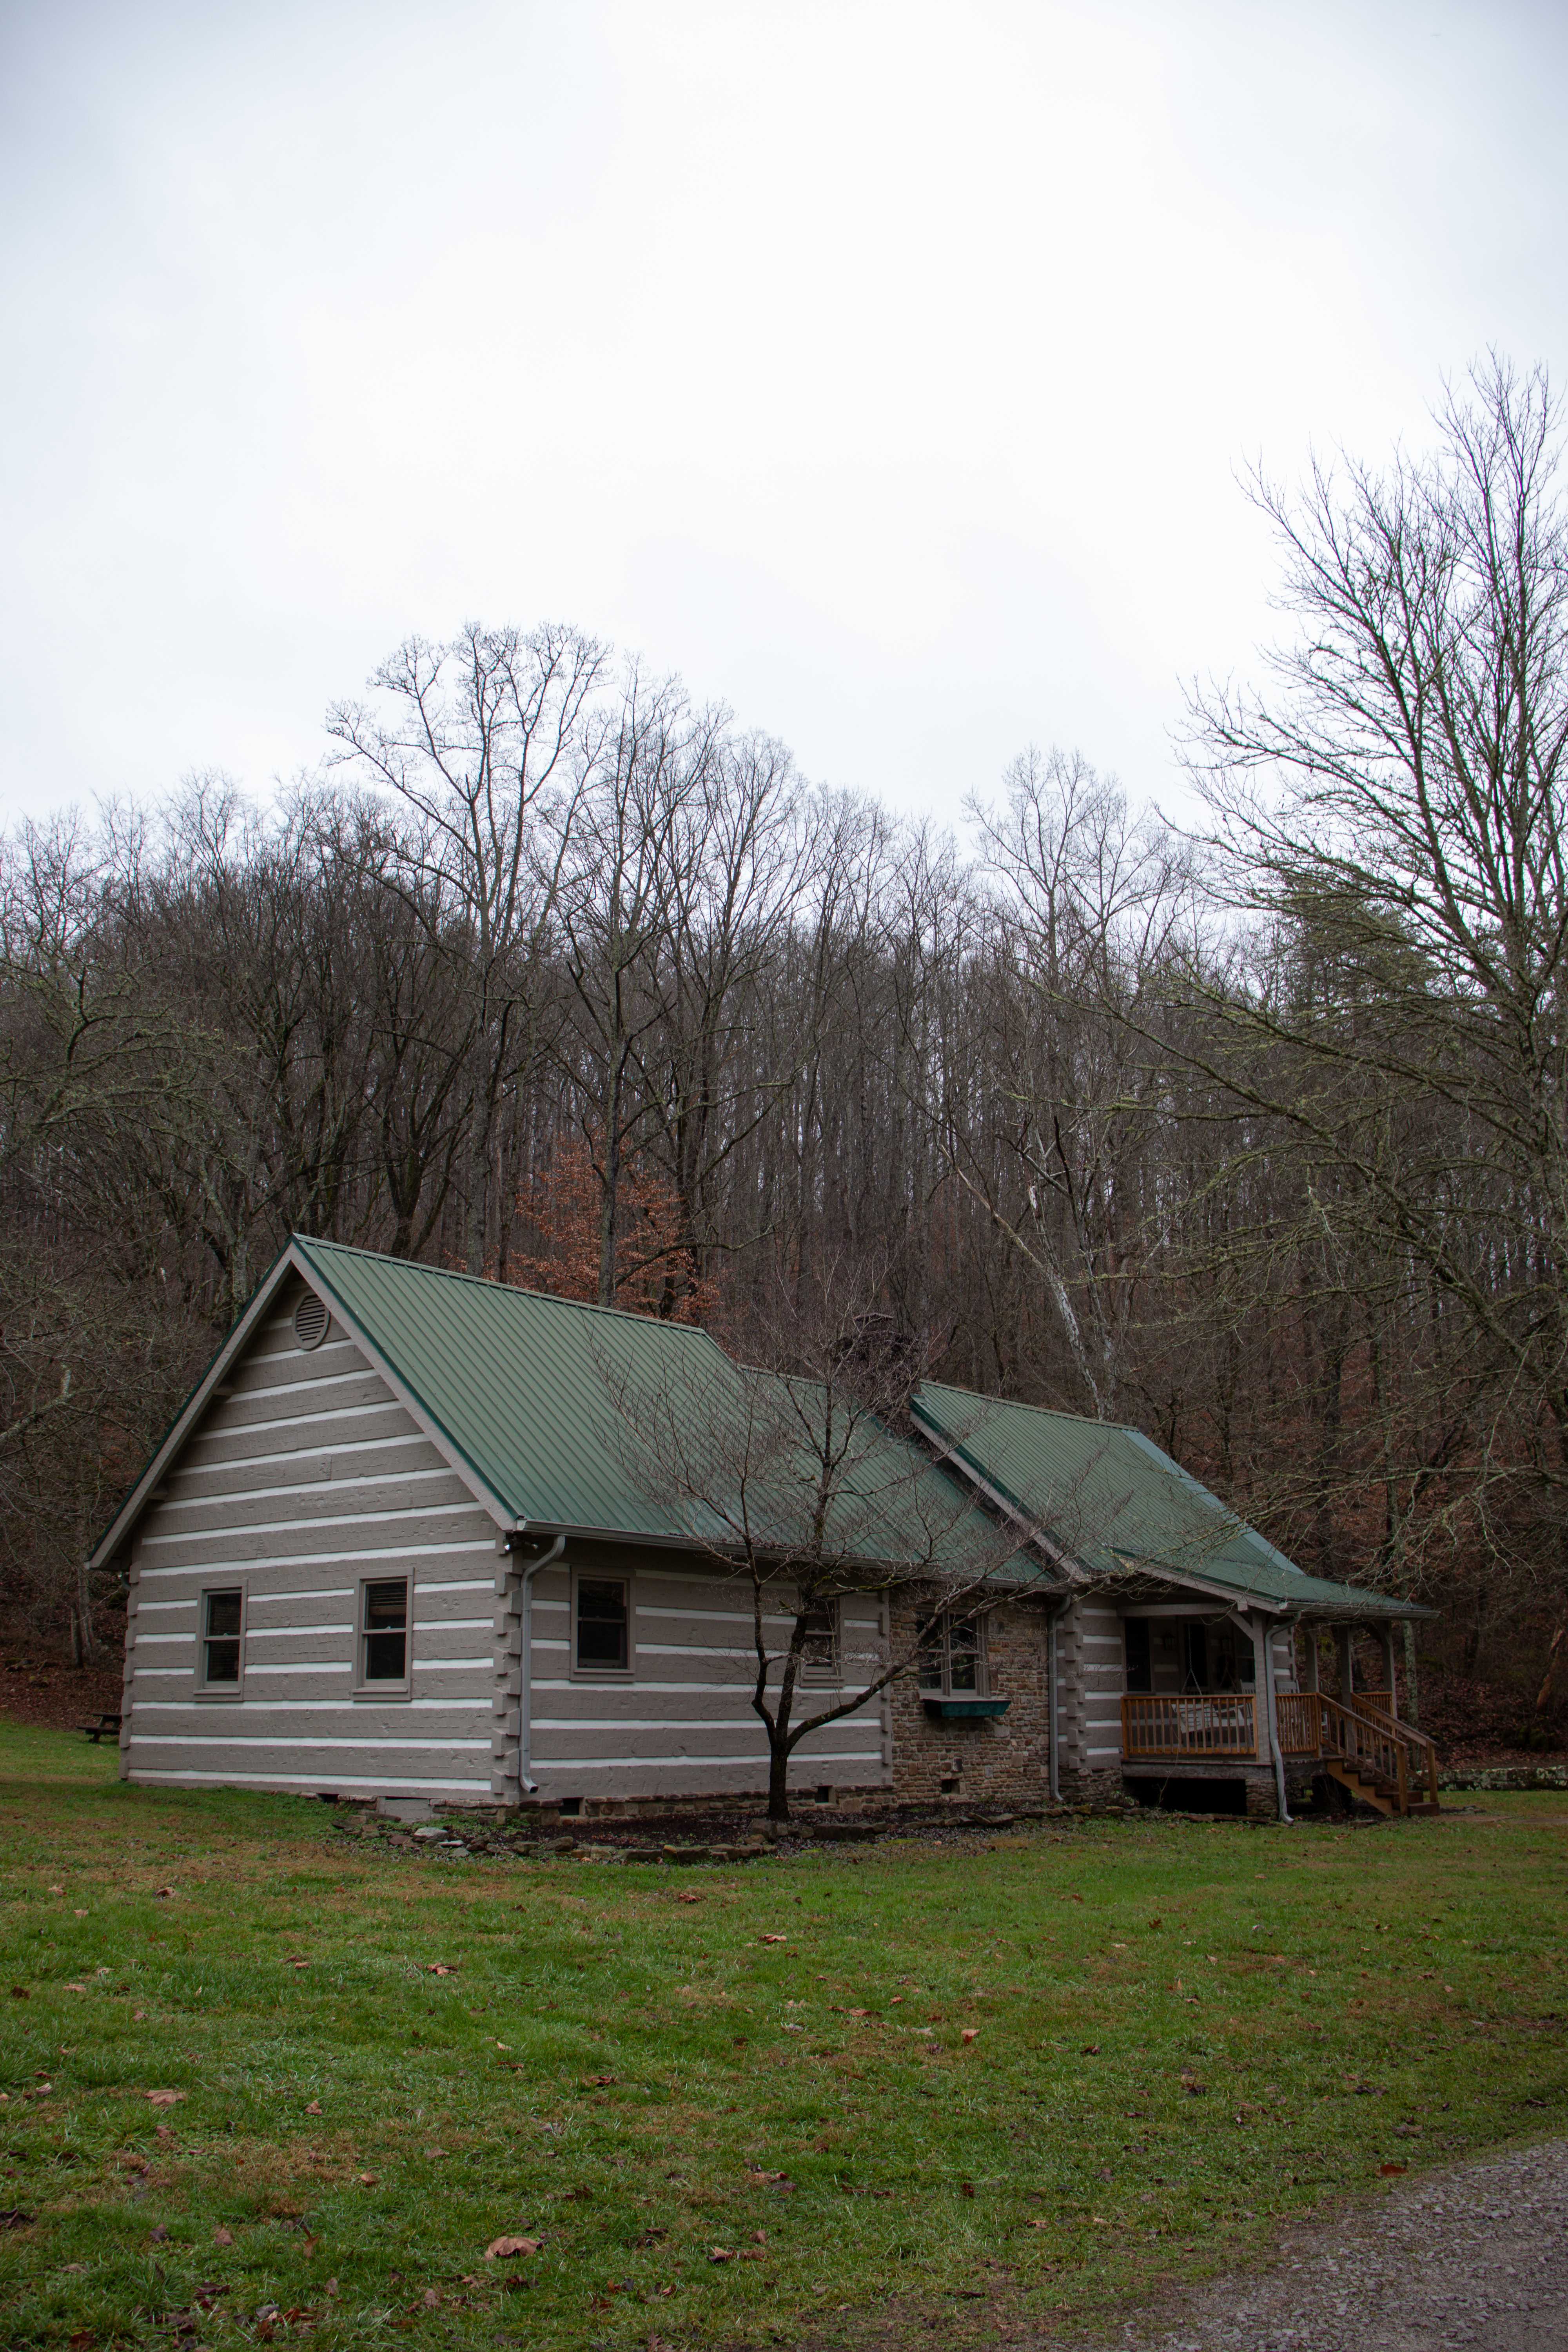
pixel 1262 1681
pixel 1264 1707
pixel 1345 1642
pixel 1385 1635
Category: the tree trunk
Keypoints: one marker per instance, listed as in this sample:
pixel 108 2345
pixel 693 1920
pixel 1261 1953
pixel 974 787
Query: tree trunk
pixel 778 1773
pixel 84 1612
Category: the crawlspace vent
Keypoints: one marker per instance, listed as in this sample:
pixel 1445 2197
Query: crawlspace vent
pixel 310 1320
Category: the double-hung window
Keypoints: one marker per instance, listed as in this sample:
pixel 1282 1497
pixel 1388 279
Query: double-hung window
pixel 819 1644
pixel 952 1656
pixel 384 1635
pixel 221 1643
pixel 601 1625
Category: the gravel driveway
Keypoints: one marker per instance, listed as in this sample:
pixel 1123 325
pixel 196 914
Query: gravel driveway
pixel 1471 2260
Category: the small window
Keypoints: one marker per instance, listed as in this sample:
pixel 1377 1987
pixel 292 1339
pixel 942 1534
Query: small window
pixel 603 1625
pixel 1140 1662
pixel 952 1656
pixel 820 1646
pixel 383 1632
pixel 222 1615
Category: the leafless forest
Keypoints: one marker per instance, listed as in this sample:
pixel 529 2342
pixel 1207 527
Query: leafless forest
pixel 1255 1135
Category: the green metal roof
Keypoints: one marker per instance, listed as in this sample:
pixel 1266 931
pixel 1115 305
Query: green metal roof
pixel 583 1417
pixel 519 1384
pixel 1117 1504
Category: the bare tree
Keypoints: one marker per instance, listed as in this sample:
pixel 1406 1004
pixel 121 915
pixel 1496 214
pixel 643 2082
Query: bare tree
pixel 1086 902
pixel 796 1479
pixel 1391 802
pixel 482 740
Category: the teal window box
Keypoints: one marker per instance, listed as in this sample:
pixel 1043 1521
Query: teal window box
pixel 964 1707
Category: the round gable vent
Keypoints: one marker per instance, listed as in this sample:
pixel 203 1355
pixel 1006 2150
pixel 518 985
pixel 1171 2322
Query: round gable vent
pixel 310 1320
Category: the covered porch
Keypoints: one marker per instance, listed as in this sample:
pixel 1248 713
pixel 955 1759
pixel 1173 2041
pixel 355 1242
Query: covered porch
pixel 1239 1688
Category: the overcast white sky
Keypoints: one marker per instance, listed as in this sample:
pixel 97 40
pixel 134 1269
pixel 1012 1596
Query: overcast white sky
pixel 884 368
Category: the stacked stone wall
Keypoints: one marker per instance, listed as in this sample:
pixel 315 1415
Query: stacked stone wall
pixel 1002 1759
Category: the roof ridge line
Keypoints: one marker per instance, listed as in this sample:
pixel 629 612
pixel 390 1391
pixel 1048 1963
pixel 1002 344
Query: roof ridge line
pixel 494 1282
pixel 1049 1411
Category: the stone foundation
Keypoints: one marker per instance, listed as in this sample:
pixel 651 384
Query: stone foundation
pixel 1260 1798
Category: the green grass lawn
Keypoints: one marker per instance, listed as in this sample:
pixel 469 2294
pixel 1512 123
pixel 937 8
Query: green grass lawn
pixel 902 2083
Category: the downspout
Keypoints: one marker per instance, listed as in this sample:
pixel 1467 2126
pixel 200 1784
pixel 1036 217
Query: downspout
pixel 1271 1712
pixel 526 1784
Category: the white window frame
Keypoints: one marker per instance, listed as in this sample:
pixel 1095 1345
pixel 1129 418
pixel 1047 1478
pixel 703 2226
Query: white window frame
pixel 943 1619
pixel 824 1674
pixel 579 1673
pixel 219 1693
pixel 379 1689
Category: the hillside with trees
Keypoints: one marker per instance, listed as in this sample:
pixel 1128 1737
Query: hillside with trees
pixel 1254 1135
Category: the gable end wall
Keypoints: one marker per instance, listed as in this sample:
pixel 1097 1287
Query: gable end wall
pixel 305 1474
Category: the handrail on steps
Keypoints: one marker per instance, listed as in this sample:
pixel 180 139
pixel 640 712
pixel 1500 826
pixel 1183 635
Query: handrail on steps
pixel 1313 1724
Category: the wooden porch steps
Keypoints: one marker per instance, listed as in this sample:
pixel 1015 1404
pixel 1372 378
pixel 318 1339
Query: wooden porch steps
pixel 1372 1791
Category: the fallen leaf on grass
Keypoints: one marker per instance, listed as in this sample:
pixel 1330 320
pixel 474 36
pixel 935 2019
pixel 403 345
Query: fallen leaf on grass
pixel 721 2254
pixel 1386 2168
pixel 20 1992
pixel 971 2033
pixel 688 1898
pixel 438 1969
pixel 314 2108
pixel 13 2218
pixel 370 2181
pixel 309 2247
pixel 165 2098
pixel 331 2289
pixel 159 2234
pixel 432 2155
pixel 75 1987
pixel 502 2250
pixel 222 2237
pixel 138 2017
pixel 754 2172
pixel 163 1894
pixel 430 2298
pixel 83 2337
pixel 599 2082
pixel 772 1939
pixel 1193 2087
pixel 1091 2050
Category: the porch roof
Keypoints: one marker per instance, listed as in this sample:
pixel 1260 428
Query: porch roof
pixel 1122 1510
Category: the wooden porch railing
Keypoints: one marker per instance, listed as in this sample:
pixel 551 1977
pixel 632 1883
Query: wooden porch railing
pixel 1366 1736
pixel 1312 1724
pixel 1216 1723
